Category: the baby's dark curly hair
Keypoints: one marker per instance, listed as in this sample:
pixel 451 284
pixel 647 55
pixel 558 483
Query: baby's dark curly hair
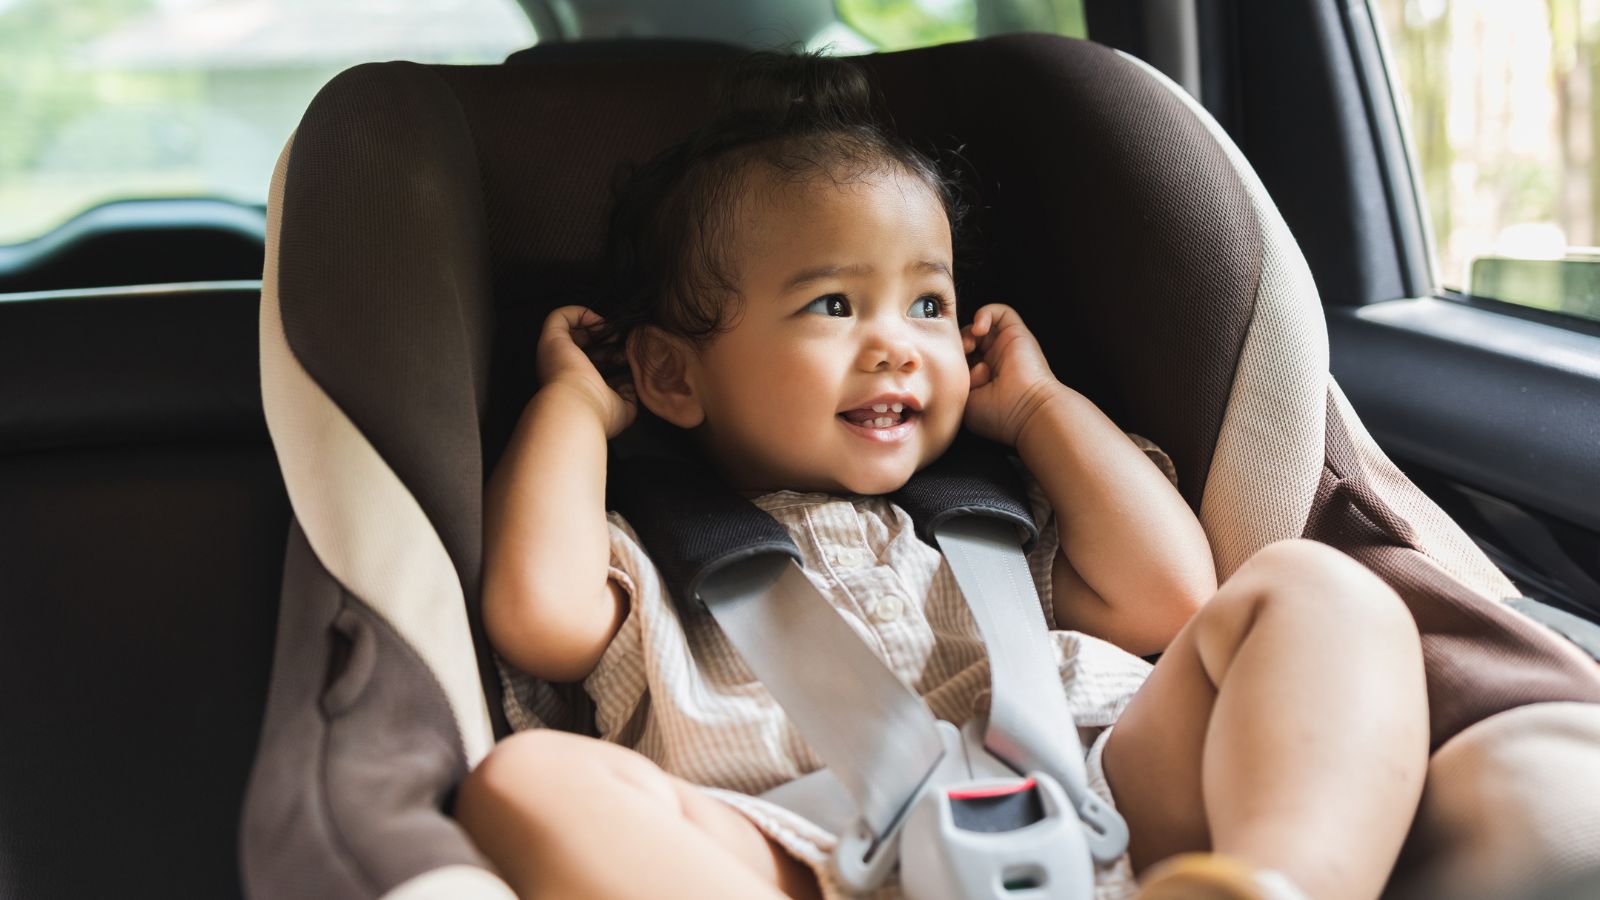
pixel 798 115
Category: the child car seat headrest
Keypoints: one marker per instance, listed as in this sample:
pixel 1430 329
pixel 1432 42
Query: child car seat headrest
pixel 424 219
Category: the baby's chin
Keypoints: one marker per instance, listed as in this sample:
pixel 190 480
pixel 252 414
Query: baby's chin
pixel 863 476
pixel 872 486
pixel 883 481
pixel 875 481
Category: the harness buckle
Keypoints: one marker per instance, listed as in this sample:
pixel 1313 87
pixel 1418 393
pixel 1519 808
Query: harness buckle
pixel 969 833
pixel 996 839
pixel 863 860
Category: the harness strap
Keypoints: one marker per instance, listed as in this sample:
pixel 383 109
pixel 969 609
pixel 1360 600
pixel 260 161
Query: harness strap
pixel 881 744
pixel 1030 725
pixel 877 737
pixel 688 518
pixel 972 506
pixel 718 551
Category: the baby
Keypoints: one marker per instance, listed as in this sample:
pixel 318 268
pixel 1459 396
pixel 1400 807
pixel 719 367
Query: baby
pixel 784 293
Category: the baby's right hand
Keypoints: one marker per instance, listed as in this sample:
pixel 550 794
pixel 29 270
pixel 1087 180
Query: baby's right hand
pixel 563 362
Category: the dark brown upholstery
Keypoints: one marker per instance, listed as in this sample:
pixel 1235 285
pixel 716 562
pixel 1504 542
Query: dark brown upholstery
pixel 1103 210
pixel 1482 658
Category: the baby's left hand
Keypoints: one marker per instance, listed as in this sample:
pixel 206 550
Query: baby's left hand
pixel 1010 380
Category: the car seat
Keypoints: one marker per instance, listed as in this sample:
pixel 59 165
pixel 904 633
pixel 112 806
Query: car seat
pixel 422 221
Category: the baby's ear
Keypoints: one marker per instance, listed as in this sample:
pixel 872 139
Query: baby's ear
pixel 661 365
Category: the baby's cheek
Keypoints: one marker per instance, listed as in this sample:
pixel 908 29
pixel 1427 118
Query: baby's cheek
pixel 943 430
pixel 960 386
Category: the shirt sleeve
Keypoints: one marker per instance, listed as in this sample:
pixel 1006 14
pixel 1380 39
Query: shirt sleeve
pixel 1156 455
pixel 619 683
pixel 532 703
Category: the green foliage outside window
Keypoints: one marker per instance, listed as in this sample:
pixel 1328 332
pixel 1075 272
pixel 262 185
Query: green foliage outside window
pixel 1502 102
pixel 45 87
pixel 103 100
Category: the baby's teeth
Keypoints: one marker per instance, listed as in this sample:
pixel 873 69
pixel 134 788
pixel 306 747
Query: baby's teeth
pixel 883 422
pixel 897 407
pixel 880 407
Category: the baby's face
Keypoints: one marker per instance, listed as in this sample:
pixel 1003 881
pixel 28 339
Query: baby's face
pixel 844 369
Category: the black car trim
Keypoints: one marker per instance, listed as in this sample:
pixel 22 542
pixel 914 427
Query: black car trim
pixel 1502 403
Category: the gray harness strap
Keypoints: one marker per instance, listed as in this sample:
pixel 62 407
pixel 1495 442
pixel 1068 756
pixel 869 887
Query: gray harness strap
pixel 877 737
pixel 882 746
pixel 1030 725
pixel 889 761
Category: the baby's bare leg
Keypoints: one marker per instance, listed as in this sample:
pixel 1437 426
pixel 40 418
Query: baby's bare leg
pixel 567 816
pixel 1287 725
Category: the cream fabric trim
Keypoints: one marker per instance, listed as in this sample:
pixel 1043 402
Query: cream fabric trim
pixel 1441 539
pixel 365 527
pixel 457 882
pixel 1269 453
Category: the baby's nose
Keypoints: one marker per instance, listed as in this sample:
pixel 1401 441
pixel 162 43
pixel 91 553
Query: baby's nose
pixel 890 355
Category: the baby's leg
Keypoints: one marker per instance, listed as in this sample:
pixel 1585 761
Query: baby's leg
pixel 1287 725
pixel 567 816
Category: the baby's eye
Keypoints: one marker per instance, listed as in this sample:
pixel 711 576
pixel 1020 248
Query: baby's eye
pixel 926 307
pixel 830 305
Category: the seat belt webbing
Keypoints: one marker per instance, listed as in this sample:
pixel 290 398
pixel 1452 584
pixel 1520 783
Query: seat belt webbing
pixel 1030 725
pixel 875 734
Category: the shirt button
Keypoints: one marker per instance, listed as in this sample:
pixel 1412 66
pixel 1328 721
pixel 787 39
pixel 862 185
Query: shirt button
pixel 887 609
pixel 852 559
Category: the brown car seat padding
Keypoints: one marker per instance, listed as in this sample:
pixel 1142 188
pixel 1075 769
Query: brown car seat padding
pixel 425 218
pixel 1482 657
pixel 1086 235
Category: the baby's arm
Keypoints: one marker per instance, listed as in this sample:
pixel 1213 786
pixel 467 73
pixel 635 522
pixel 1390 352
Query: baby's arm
pixel 1134 563
pixel 548 605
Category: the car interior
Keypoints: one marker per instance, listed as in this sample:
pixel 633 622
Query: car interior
pixel 153 548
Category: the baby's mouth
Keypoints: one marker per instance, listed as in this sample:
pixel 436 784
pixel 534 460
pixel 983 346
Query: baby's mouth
pixel 879 415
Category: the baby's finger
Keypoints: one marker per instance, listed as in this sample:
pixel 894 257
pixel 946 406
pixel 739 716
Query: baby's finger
pixel 563 319
pixel 990 320
pixel 1001 315
pixel 990 334
pixel 980 322
pixel 981 373
pixel 584 325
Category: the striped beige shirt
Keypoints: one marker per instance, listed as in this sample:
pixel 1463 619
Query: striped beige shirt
pixel 673 688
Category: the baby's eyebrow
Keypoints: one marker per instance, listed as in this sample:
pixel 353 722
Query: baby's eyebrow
pixel 806 276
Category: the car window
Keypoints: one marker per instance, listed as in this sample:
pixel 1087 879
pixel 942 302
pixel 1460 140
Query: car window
pixel 102 100
pixel 1502 106
pixel 903 24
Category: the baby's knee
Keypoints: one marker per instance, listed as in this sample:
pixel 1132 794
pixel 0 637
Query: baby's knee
pixel 1299 577
pixel 513 767
pixel 1299 557
pixel 546 769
